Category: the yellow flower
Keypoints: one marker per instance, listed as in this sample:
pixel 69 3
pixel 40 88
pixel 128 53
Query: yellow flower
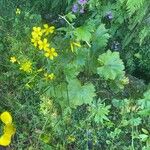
pixel 48 29
pixel 71 138
pixel 51 53
pixel 37 31
pixel 49 76
pixel 9 129
pixel 5 139
pixel 6 118
pixel 18 11
pixel 35 40
pixel 73 44
pixel 13 59
pixel 43 44
pixel 26 66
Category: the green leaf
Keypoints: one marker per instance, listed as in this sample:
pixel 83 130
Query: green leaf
pixel 144 33
pixel 55 3
pixel 147 95
pixel 71 70
pixel 135 121
pixel 71 16
pixel 143 137
pixel 111 66
pixel 80 94
pixel 58 91
pixel 145 131
pixel 145 112
pixel 81 57
pixel 120 103
pixel 134 5
pixel 100 112
pixel 101 37
pixel 145 102
pixel 84 32
pixel 73 94
pixel 115 133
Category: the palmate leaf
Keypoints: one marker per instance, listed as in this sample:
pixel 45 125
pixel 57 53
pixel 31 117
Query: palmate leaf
pixel 100 112
pixel 84 33
pixel 80 94
pixel 72 94
pixel 111 66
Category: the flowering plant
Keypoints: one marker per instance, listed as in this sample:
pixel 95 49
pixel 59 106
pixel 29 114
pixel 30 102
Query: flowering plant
pixel 9 129
pixel 75 74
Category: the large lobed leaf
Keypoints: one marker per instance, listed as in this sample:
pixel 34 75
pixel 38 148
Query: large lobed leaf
pixel 72 94
pixel 111 66
pixel 80 94
pixel 84 33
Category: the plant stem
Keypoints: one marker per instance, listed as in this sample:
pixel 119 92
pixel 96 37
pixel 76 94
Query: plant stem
pixel 132 135
pixel 63 17
pixel 42 132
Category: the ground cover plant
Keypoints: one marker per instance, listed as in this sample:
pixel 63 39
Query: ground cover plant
pixel 75 74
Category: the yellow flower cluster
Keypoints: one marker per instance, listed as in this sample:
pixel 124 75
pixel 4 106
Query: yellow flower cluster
pixel 13 59
pixel 71 139
pixel 49 76
pixel 42 43
pixel 26 66
pixel 51 53
pixel 9 129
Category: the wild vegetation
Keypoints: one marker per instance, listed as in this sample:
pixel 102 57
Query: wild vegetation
pixel 75 74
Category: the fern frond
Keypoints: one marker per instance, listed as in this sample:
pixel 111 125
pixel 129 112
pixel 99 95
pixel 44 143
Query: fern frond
pixel 134 5
pixel 144 33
